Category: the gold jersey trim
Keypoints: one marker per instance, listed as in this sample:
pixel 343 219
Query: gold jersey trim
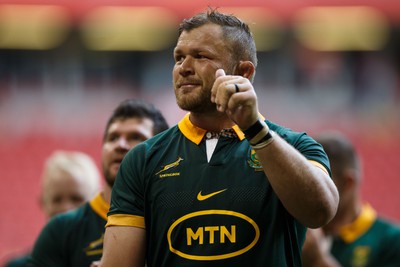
pixel 125 220
pixel 351 232
pixel 319 165
pixel 100 206
pixel 196 134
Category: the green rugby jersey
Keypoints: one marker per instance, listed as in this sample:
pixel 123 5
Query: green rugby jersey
pixel 74 238
pixel 18 262
pixel 368 242
pixel 217 213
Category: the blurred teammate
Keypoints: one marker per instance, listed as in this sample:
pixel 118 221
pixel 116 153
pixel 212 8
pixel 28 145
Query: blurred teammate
pixel 69 179
pixel 76 238
pixel 356 237
pixel 224 187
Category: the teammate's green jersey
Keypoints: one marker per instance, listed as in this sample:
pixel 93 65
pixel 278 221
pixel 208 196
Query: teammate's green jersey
pixel 74 238
pixel 368 242
pixel 218 213
pixel 21 261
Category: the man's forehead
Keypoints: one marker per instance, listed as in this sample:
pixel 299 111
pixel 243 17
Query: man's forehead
pixel 200 39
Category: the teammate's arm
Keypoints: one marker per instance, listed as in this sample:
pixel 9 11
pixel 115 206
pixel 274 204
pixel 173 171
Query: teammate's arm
pixel 316 250
pixel 124 246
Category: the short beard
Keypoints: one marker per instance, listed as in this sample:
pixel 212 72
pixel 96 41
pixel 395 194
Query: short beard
pixel 196 107
pixel 108 177
pixel 195 104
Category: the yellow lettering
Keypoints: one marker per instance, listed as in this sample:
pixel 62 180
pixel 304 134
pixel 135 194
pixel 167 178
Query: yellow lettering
pixel 191 235
pixel 230 235
pixel 211 230
pixel 170 174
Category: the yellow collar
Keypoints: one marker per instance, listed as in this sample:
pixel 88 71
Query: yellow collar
pixel 196 134
pixel 100 206
pixel 361 225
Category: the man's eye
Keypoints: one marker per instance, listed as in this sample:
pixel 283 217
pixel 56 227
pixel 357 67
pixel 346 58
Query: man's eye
pixel 112 138
pixel 77 199
pixel 201 56
pixel 56 199
pixel 179 59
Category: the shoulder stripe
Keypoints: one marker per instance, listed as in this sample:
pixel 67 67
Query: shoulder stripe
pixel 319 165
pixel 125 220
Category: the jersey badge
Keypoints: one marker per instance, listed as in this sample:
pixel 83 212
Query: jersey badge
pixel 169 166
pixel 253 161
pixel 95 247
pixel 360 256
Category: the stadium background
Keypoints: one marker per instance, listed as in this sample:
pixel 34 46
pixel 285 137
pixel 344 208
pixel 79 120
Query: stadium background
pixel 64 65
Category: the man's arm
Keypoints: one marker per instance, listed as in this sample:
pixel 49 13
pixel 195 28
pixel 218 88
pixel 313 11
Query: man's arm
pixel 316 250
pixel 306 191
pixel 124 246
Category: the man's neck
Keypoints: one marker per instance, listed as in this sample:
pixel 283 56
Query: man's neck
pixel 106 193
pixel 348 217
pixel 355 211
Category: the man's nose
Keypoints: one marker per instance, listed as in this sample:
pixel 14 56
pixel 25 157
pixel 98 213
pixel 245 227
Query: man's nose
pixel 123 143
pixel 186 67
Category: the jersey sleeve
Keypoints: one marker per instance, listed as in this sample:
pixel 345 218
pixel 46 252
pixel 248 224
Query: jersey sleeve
pixel 314 152
pixel 306 145
pixel 127 198
pixel 48 250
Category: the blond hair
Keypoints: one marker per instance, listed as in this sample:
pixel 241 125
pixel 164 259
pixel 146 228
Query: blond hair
pixel 78 165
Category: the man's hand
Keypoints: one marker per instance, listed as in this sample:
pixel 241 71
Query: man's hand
pixel 316 250
pixel 239 102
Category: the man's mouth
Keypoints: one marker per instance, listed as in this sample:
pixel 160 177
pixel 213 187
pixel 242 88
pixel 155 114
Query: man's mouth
pixel 188 87
pixel 116 162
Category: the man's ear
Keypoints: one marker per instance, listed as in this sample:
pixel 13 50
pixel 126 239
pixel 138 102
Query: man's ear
pixel 246 69
pixel 350 179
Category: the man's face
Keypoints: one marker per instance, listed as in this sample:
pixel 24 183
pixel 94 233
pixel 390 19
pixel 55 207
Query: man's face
pixel 122 135
pixel 198 54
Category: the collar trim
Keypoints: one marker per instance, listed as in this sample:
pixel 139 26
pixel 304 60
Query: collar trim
pixel 350 232
pixel 196 134
pixel 100 206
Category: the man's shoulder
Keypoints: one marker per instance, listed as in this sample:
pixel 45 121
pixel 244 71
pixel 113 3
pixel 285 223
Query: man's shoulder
pixel 390 228
pixel 291 136
pixel 18 261
pixel 385 234
pixel 164 136
pixel 71 218
pixel 157 142
pixel 142 152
